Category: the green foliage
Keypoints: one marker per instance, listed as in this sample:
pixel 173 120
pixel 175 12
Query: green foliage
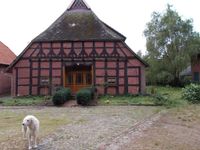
pixel 186 80
pixel 126 100
pixel 160 96
pixel 85 96
pixel 23 101
pixel 168 96
pixel 171 42
pixel 160 99
pixel 192 93
pixel 61 96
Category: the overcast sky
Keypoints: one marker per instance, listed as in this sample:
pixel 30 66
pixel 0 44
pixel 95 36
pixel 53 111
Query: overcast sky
pixel 23 20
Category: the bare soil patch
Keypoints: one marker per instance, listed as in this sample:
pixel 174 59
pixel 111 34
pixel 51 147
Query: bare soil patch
pixel 179 129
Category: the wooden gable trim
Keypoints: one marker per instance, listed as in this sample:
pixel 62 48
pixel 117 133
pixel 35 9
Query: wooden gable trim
pixel 140 59
pixel 18 57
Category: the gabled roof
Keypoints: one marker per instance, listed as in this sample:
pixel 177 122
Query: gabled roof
pixel 6 55
pixel 79 23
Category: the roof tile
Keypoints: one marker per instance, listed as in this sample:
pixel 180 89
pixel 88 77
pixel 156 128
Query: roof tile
pixel 6 55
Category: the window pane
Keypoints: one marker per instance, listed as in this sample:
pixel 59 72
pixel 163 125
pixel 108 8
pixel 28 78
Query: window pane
pixel 88 78
pixel 70 78
pixel 79 78
pixel 196 76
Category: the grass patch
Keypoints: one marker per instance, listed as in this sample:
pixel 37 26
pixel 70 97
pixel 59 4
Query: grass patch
pixel 23 101
pixel 126 100
pixel 165 96
pixel 11 119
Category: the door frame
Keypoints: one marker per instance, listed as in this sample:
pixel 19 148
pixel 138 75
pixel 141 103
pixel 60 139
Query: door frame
pixel 77 65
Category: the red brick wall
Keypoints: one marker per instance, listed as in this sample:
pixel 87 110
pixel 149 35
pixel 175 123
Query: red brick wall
pixel 135 69
pixel 195 66
pixel 5 81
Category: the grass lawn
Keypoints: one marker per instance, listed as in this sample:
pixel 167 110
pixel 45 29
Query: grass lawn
pixel 10 124
pixel 23 101
pixel 166 96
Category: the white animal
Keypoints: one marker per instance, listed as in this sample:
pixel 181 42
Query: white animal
pixel 30 128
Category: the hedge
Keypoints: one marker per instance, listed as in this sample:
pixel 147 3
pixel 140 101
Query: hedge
pixel 61 96
pixel 85 96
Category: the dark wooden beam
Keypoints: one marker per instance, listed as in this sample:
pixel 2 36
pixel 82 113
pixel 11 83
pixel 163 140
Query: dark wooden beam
pixel 38 77
pixel 106 77
pixel 50 77
pixel 30 79
pixel 16 82
pixel 117 72
pixel 140 79
pixel 94 72
pixel 126 77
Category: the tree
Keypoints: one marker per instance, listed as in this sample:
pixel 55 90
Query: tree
pixel 170 43
pixel 139 53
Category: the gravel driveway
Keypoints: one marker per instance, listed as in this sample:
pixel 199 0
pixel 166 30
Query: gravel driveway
pixel 92 128
pixel 71 128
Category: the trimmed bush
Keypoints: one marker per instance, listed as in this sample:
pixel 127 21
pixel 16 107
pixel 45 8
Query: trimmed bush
pixel 192 93
pixel 66 93
pixel 61 96
pixel 85 96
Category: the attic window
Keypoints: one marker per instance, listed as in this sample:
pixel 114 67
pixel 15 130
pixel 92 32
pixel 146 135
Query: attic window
pixel 72 24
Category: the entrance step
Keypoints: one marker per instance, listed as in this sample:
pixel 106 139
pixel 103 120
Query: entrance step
pixel 70 103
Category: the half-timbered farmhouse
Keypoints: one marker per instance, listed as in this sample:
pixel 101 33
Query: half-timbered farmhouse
pixel 78 50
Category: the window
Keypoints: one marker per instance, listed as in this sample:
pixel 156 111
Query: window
pixel 44 80
pixel 70 78
pixel 111 81
pixel 196 76
pixel 79 78
pixel 88 78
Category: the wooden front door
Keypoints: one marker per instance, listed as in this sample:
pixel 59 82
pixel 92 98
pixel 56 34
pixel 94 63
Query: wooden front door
pixel 78 78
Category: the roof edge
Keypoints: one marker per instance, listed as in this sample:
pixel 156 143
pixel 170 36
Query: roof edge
pixel 18 57
pixel 138 57
pixel 123 37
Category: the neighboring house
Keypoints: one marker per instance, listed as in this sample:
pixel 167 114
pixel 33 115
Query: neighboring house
pixel 78 50
pixel 6 58
pixel 195 67
pixel 186 72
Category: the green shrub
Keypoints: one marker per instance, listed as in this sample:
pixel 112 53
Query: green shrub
pixel 160 99
pixel 192 93
pixel 186 80
pixel 61 96
pixel 85 96
pixel 66 93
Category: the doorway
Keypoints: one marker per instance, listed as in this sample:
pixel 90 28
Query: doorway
pixel 78 77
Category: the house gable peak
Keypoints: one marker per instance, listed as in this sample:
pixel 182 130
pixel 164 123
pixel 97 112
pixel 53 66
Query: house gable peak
pixel 78 5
